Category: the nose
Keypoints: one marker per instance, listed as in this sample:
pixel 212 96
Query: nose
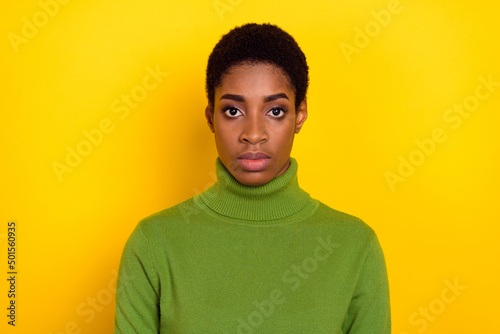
pixel 254 129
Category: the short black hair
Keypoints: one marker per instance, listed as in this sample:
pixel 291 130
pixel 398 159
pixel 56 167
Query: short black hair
pixel 256 43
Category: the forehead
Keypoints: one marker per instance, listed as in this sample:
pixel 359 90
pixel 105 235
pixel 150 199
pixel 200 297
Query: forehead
pixel 254 79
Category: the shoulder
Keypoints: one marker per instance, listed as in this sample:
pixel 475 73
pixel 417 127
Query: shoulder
pixel 346 225
pixel 169 219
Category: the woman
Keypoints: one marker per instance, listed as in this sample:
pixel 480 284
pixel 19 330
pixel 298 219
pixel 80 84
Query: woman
pixel 254 253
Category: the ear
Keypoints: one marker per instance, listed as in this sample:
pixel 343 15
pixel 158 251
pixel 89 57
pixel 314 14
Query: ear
pixel 209 115
pixel 300 116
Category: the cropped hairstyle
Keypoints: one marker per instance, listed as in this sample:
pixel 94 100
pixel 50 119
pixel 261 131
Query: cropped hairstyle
pixel 258 43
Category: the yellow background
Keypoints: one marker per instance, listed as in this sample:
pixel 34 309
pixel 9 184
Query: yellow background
pixel 439 226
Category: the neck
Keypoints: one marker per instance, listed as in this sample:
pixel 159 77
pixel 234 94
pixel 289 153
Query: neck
pixel 279 198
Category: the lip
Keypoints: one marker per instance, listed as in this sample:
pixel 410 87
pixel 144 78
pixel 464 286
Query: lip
pixel 254 156
pixel 254 161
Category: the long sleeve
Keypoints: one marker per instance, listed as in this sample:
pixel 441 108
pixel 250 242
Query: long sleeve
pixel 369 311
pixel 268 259
pixel 137 288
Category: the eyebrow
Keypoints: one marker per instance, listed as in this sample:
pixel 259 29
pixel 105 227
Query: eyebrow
pixel 240 98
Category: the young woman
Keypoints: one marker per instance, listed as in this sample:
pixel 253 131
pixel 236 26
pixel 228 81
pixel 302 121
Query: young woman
pixel 254 253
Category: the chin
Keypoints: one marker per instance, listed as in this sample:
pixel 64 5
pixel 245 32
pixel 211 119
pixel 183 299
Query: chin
pixel 253 179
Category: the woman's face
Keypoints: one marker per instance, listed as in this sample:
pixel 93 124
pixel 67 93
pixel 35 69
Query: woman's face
pixel 254 121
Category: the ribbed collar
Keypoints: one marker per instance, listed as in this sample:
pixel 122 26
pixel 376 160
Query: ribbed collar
pixel 279 198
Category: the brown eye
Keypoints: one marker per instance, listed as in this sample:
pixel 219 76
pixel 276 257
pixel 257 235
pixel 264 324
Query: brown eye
pixel 231 112
pixel 277 112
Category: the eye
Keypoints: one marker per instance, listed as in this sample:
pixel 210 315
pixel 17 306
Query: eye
pixel 231 112
pixel 277 112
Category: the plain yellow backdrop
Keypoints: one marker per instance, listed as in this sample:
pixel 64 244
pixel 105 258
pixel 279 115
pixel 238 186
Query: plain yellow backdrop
pixel 102 125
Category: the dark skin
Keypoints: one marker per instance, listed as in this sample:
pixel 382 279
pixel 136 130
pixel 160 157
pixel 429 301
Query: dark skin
pixel 254 111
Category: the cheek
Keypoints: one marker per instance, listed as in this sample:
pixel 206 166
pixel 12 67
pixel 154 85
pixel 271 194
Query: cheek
pixel 286 133
pixel 225 139
pixel 223 134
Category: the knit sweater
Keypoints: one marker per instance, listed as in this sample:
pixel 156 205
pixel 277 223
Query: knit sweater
pixel 240 259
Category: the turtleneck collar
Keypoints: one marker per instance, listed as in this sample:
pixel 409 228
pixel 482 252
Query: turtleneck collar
pixel 279 198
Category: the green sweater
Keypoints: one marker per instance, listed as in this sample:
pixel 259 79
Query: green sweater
pixel 238 259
